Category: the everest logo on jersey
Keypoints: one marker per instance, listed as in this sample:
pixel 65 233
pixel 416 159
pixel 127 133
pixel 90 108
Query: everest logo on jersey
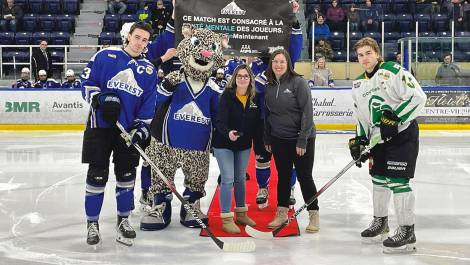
pixel 125 81
pixel 191 113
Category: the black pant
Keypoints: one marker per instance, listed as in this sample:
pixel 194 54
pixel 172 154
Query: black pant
pixel 285 156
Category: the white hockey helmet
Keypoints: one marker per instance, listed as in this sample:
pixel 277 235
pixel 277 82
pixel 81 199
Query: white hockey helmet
pixel 25 70
pixel 220 71
pixel 126 27
pixel 69 72
pixel 42 72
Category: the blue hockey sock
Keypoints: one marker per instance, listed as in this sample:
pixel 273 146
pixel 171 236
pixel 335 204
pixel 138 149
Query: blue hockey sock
pixel 145 177
pixel 262 177
pixel 293 177
pixel 124 197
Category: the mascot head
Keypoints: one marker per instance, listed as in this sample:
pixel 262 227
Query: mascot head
pixel 201 52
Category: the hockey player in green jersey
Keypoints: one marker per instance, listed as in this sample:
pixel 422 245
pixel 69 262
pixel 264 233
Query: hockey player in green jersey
pixel 387 99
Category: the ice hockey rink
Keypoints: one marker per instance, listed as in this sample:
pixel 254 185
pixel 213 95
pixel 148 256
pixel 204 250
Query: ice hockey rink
pixel 42 219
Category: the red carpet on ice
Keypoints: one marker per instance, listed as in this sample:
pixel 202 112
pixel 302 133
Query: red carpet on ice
pixel 261 216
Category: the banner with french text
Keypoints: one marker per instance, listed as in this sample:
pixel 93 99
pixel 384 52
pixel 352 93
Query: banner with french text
pixel 254 27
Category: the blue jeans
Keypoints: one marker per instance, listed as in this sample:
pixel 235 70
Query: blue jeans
pixel 232 165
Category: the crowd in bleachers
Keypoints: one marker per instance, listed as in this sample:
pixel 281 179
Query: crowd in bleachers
pixel 398 16
pixel 154 12
pixel 28 22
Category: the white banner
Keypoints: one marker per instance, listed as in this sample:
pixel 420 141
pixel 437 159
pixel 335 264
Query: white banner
pixel 31 106
pixel 332 106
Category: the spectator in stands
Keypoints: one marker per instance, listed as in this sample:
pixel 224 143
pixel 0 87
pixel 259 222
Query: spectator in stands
pixel 23 82
pixel 335 17
pixel 160 17
pixel 45 82
pixel 71 81
pixel 312 17
pixel 323 49
pixel 42 60
pixel 11 14
pixel 448 73
pixel 321 31
pixel 354 19
pixel 145 15
pixel 423 6
pixel 458 17
pixel 466 12
pixel 321 75
pixel 369 17
pixel 118 5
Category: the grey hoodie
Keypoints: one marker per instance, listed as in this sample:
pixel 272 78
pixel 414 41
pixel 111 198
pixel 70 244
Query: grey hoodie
pixel 289 113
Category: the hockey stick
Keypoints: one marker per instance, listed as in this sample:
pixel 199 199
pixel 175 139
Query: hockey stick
pixel 245 246
pixel 269 235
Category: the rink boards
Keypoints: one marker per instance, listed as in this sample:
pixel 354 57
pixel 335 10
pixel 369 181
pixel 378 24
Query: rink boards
pixel 60 109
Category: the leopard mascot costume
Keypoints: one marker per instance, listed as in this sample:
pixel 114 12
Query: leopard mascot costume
pixel 182 127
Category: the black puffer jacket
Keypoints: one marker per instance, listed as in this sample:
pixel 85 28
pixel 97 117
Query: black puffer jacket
pixel 232 115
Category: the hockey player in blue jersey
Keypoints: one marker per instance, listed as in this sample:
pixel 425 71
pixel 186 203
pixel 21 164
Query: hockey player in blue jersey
pixel 71 81
pixel 120 85
pixel 187 103
pixel 23 82
pixel 45 82
pixel 219 78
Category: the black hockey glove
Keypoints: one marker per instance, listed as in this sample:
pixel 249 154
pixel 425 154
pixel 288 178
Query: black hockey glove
pixel 389 125
pixel 109 104
pixel 140 133
pixel 356 147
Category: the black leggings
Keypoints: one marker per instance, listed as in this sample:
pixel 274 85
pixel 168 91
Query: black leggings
pixel 285 156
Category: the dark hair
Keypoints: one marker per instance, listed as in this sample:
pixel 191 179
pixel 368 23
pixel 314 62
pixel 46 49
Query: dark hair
pixel 232 84
pixel 143 26
pixel 290 68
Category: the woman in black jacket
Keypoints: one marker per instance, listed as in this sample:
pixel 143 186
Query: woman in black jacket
pixel 290 134
pixel 236 124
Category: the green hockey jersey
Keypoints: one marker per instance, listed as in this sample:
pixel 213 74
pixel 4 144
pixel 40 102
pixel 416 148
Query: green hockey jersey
pixel 392 88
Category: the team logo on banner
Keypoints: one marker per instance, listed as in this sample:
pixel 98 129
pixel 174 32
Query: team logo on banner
pixel 232 9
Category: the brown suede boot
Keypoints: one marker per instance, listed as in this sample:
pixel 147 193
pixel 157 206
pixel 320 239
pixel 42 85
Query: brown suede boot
pixel 228 225
pixel 242 216
pixel 280 218
pixel 314 224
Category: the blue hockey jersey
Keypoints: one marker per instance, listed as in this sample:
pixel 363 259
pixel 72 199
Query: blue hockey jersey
pixel 160 45
pixel 20 83
pixel 221 83
pixel 74 84
pixel 132 79
pixel 188 121
pixel 49 83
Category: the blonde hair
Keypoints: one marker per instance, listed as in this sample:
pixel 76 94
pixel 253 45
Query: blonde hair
pixel 368 41
pixel 232 84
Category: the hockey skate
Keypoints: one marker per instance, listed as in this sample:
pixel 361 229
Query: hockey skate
pixel 377 231
pixel 404 241
pixel 262 198
pixel 125 234
pixel 157 217
pixel 93 236
pixel 292 200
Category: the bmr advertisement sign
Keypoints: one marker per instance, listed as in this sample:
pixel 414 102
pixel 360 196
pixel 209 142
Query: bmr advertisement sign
pixel 253 26
pixel 32 106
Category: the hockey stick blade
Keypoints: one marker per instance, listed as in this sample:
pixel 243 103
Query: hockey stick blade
pixel 244 246
pixel 270 235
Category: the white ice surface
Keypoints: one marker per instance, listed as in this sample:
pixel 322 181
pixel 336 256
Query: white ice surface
pixel 42 219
